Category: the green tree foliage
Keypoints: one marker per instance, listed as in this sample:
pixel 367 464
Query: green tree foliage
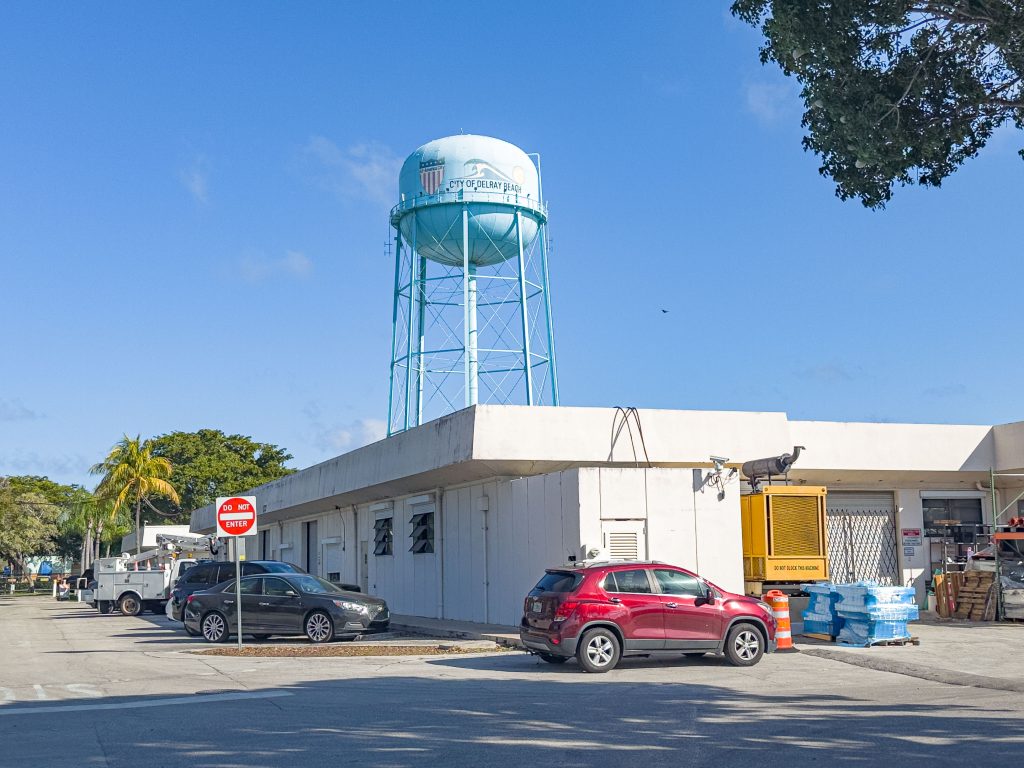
pixel 28 523
pixel 209 463
pixel 67 541
pixel 896 91
pixel 133 475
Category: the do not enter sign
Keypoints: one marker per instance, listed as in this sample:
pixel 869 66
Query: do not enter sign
pixel 236 515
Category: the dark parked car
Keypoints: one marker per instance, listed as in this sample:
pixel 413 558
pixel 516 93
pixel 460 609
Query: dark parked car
pixel 599 612
pixel 209 574
pixel 285 604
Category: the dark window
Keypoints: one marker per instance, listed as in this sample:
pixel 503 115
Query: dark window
pixel 276 587
pixel 627 581
pixel 422 533
pixel 277 567
pixel 314 585
pixel 252 585
pixel 225 571
pixel 201 574
pixel 559 581
pixel 678 583
pixel 383 536
pixel 942 517
pixel 264 550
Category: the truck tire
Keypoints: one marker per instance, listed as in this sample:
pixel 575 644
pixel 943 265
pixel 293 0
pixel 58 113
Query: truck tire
pixel 103 606
pixel 129 604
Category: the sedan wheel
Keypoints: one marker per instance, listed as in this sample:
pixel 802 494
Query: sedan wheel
pixel 215 628
pixel 319 627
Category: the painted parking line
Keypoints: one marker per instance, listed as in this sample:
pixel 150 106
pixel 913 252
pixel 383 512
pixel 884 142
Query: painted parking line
pixel 170 700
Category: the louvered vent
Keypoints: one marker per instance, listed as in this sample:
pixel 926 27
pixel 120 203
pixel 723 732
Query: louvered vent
pixel 624 546
pixel 795 526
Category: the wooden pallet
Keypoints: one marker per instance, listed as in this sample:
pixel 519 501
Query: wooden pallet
pixel 819 636
pixel 899 641
pixel 975 599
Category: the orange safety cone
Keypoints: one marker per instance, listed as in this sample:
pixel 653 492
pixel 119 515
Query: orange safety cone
pixel 779 602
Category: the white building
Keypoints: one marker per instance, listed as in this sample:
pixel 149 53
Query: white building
pixel 458 518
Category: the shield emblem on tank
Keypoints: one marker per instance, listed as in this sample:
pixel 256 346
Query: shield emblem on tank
pixel 431 175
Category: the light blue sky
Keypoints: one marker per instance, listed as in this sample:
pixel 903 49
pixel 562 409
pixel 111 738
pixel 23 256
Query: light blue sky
pixel 194 200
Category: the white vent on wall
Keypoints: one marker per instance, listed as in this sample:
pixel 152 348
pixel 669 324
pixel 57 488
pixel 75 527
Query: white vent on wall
pixel 623 545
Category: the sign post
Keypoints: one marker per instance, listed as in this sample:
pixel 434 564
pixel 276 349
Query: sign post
pixel 236 517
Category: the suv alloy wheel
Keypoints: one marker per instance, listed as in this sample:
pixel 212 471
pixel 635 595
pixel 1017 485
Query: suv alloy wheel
pixel 744 646
pixel 599 650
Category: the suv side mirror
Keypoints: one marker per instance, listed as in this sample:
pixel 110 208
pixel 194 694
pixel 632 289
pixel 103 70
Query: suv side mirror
pixel 291 593
pixel 708 598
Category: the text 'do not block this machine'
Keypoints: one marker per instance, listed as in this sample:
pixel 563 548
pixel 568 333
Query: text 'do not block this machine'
pixel 783 528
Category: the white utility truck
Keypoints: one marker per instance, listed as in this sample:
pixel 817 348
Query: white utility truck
pixel 134 583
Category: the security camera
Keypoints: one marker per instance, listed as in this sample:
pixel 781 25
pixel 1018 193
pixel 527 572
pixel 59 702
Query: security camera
pixel 719 462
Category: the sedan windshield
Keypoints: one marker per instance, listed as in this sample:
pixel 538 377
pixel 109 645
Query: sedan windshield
pixel 278 567
pixel 312 585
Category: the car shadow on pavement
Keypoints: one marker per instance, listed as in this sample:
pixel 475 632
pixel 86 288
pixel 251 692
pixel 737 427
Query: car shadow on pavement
pixel 395 721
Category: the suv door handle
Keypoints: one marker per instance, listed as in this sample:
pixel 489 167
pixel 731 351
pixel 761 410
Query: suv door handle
pixel 264 603
pixel 671 605
pixel 229 602
pixel 614 600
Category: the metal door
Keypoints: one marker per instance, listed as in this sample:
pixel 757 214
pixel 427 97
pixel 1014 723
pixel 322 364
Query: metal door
pixel 862 538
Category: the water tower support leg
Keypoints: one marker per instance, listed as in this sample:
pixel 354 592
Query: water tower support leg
pixel 527 368
pixel 394 333
pixel 552 369
pixel 421 299
pixel 469 314
pixel 409 348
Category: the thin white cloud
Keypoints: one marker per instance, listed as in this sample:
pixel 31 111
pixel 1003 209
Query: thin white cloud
pixel 771 101
pixel 368 170
pixel 14 410
pixel 52 466
pixel 335 437
pixel 194 179
pixel 255 268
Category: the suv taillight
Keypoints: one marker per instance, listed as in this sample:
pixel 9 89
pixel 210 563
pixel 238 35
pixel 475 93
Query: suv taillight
pixel 189 599
pixel 565 609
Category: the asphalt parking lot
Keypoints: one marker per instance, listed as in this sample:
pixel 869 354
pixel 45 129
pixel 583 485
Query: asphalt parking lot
pixel 81 689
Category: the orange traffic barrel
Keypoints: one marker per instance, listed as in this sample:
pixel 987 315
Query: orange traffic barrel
pixel 779 602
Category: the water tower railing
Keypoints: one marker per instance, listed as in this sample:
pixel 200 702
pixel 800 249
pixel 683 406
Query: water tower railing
pixel 524 202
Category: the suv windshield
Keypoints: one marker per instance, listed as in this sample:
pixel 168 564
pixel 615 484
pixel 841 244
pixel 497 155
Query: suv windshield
pixel 559 581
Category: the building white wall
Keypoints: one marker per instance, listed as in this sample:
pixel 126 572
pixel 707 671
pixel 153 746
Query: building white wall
pixel 686 523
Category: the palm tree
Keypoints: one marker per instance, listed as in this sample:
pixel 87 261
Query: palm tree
pixel 131 474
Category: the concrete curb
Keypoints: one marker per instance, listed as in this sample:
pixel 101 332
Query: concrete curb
pixel 933 674
pixel 503 640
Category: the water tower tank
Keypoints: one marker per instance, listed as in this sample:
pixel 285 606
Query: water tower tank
pixel 471 318
pixel 496 178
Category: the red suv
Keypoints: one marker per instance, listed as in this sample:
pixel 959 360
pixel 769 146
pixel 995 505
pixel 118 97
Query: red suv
pixel 599 612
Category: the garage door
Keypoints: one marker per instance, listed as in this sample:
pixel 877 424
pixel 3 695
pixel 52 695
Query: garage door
pixel 862 538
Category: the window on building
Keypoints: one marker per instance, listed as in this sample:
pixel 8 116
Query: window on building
pixel 264 549
pixel 422 533
pixel 627 581
pixel 940 515
pixel 383 536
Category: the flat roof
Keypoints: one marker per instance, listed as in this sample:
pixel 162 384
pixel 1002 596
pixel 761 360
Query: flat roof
pixel 487 441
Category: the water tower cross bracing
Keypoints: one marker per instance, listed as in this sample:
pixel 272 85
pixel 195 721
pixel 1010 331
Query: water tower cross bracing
pixel 472 309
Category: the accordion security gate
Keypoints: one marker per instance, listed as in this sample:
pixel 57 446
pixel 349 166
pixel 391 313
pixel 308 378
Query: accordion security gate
pixel 862 538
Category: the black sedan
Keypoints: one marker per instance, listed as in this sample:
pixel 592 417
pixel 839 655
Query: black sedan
pixel 285 604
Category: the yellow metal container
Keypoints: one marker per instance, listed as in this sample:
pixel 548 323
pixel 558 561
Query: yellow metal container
pixel 784 537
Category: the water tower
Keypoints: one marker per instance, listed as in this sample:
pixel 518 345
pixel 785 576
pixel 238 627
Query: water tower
pixel 472 310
